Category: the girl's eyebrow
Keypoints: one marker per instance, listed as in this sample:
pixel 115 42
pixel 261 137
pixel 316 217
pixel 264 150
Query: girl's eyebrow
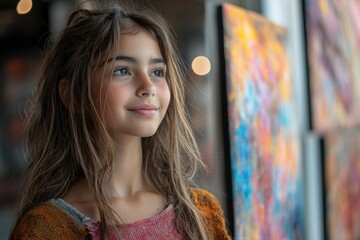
pixel 135 61
pixel 157 60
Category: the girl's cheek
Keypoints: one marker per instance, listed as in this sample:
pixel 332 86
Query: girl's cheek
pixel 117 95
pixel 165 92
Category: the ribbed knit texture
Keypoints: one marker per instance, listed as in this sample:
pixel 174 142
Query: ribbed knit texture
pixel 161 226
pixel 48 222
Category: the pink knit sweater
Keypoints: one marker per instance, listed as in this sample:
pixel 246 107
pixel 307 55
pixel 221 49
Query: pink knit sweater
pixel 161 226
pixel 57 219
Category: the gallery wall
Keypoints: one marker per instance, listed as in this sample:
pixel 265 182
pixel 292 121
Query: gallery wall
pixel 322 45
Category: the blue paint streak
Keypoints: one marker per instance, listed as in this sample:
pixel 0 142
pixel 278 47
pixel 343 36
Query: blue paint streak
pixel 241 165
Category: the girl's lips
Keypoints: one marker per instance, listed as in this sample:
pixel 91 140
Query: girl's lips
pixel 144 110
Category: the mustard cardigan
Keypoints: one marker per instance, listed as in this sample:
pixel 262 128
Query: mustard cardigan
pixel 47 221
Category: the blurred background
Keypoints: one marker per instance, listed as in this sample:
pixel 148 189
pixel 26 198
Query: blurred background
pixel 26 25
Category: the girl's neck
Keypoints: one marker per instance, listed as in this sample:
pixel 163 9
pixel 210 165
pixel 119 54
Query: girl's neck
pixel 127 175
pixel 132 197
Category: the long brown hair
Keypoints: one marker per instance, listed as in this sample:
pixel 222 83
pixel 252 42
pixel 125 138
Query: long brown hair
pixel 67 143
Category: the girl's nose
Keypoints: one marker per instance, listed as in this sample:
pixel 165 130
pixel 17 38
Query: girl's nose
pixel 146 87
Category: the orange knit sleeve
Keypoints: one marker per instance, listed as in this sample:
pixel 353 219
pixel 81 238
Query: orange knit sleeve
pixel 46 222
pixel 212 213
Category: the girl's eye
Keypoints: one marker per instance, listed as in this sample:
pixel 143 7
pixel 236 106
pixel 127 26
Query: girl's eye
pixel 121 72
pixel 158 73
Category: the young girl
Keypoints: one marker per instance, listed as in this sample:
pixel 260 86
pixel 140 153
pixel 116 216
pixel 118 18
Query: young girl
pixel 111 153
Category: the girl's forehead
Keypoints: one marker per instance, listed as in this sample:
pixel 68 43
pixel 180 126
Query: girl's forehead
pixel 136 30
pixel 131 28
pixel 137 45
pixel 140 43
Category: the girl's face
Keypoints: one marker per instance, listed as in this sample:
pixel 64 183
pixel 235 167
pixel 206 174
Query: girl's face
pixel 138 94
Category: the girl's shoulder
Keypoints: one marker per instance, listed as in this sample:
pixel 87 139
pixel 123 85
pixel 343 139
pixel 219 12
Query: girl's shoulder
pixel 204 199
pixel 47 221
pixel 211 212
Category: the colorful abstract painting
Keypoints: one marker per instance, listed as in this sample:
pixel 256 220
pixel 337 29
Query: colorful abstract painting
pixel 333 40
pixel 264 144
pixel 342 188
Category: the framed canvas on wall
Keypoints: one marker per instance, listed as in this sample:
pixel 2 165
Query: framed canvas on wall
pixel 262 134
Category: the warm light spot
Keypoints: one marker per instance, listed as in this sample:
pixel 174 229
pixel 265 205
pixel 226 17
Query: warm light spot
pixel 201 65
pixel 24 6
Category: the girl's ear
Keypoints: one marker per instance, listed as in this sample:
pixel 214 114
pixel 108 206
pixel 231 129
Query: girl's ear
pixel 64 92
